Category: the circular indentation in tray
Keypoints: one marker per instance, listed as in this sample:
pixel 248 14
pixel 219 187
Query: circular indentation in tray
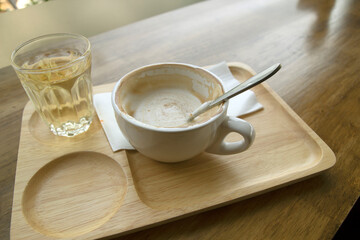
pixel 42 133
pixel 74 194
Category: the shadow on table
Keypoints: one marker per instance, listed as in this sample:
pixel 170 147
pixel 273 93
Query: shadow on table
pixel 319 28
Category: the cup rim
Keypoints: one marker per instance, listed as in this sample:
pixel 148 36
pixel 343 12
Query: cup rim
pixel 73 35
pixel 140 124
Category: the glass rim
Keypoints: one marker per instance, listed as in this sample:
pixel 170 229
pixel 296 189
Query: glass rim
pixel 73 35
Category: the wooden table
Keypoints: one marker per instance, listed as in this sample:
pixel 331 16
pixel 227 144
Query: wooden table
pixel 318 46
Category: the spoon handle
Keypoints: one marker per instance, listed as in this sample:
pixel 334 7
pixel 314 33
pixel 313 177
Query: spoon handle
pixel 251 82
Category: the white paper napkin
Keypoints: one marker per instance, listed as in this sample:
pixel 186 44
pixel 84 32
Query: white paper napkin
pixel 242 104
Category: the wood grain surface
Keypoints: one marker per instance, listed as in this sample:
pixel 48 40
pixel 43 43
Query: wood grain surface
pixel 78 188
pixel 317 44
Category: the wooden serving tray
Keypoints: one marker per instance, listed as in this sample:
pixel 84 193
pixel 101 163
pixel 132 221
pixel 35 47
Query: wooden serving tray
pixel 78 188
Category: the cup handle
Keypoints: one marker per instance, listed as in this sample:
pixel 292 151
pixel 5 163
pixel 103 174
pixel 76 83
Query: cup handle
pixel 232 124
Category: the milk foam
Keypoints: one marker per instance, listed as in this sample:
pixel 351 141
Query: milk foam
pixel 165 107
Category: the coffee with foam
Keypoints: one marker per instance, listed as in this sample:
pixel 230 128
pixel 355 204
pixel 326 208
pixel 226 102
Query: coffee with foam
pixel 166 97
pixel 165 107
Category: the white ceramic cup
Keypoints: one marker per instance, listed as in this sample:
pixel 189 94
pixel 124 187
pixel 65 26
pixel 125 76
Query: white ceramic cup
pixel 181 143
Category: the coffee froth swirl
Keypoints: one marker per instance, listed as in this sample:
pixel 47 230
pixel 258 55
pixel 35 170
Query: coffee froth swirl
pixel 165 107
pixel 164 95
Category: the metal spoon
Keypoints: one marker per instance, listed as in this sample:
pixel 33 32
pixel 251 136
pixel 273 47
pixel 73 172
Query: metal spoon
pixel 242 87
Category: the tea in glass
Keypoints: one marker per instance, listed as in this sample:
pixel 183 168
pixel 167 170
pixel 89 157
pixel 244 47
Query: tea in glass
pixel 55 71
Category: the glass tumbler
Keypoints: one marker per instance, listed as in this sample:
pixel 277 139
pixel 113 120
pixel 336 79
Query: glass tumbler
pixel 55 71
